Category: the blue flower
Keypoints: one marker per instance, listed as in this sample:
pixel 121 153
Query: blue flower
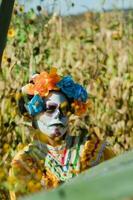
pixel 35 105
pixel 80 93
pixel 72 90
pixel 67 86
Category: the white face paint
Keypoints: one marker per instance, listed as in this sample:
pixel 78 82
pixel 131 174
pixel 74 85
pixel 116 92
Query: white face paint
pixel 53 122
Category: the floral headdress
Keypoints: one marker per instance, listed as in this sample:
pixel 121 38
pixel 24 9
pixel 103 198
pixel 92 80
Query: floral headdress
pixel 41 84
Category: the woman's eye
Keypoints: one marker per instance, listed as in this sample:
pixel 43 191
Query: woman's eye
pixel 64 107
pixel 50 109
pixel 65 110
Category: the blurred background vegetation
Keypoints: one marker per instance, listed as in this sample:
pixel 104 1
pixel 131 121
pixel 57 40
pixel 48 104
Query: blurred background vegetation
pixel 95 48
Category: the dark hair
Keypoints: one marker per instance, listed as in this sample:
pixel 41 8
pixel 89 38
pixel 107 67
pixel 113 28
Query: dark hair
pixel 22 102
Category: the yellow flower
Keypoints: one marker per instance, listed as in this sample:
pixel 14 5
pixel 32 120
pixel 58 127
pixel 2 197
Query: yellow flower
pixel 34 187
pixel 4 58
pixel 39 174
pixel 11 33
pixel 21 9
pixel 6 147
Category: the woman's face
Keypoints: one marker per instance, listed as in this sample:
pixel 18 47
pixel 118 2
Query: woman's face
pixel 54 121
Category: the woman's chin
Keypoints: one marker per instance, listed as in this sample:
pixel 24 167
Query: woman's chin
pixel 54 133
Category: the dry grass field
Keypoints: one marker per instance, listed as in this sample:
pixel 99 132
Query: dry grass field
pixel 96 49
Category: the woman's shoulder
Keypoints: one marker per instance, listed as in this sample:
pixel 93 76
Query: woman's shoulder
pixel 95 151
pixel 27 170
pixel 27 157
pixel 23 153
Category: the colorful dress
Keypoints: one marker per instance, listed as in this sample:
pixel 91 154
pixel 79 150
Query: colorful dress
pixel 42 166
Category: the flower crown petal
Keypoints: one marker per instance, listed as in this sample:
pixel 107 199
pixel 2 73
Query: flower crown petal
pixel 53 71
pixel 35 105
pixel 44 82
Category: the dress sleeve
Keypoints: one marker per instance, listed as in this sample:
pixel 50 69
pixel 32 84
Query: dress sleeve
pixel 25 175
pixel 94 152
pixel 108 153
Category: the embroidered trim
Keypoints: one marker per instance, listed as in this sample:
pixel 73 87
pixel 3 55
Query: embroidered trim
pixel 99 155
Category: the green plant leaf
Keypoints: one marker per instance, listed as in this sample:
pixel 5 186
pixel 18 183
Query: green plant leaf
pixel 111 180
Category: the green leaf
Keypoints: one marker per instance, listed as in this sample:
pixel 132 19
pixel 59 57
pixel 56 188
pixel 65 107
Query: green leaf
pixel 111 180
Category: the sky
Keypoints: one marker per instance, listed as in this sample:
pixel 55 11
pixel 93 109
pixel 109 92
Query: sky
pixel 64 7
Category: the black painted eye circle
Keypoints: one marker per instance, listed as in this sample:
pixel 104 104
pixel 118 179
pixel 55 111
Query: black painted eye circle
pixel 64 108
pixel 51 108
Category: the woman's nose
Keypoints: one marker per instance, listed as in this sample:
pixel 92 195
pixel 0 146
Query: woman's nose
pixel 58 113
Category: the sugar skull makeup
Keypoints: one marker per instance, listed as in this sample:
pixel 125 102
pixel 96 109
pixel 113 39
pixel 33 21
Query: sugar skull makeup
pixel 48 98
pixel 53 121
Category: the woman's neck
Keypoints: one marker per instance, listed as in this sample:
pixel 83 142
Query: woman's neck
pixel 47 140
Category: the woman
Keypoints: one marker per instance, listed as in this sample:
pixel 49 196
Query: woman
pixel 54 156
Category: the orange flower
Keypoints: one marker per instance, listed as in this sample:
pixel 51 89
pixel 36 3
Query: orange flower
pixel 79 107
pixel 43 83
pixel 11 33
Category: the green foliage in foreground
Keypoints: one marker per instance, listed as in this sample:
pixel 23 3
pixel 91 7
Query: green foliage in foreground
pixel 111 180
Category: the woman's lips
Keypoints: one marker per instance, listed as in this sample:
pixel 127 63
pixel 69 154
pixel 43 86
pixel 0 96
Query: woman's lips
pixel 57 124
pixel 57 129
pixel 56 133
